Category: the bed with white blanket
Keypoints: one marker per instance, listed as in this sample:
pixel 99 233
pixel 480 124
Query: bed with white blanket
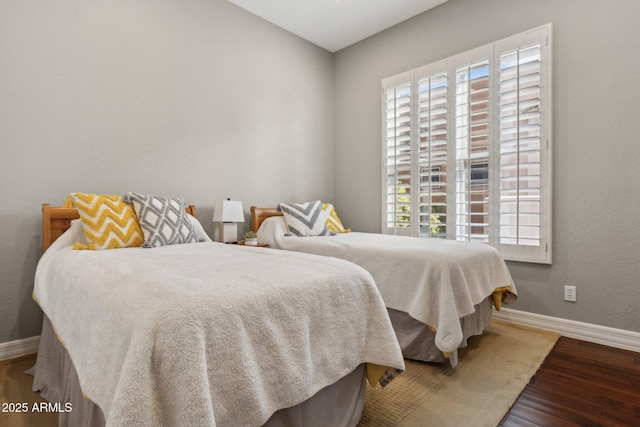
pixel 438 292
pixel 206 334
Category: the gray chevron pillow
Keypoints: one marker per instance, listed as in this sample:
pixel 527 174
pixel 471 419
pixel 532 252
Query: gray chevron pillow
pixel 305 219
pixel 163 220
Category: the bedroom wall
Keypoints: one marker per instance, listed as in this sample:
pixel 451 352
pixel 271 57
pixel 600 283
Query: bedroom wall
pixel 596 150
pixel 191 98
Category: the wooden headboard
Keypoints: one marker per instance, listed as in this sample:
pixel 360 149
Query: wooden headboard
pixel 260 214
pixel 56 220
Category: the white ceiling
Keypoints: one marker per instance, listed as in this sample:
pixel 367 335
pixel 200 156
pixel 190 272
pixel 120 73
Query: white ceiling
pixel 335 24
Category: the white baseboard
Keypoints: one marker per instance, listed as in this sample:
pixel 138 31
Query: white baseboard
pixel 19 347
pixel 611 337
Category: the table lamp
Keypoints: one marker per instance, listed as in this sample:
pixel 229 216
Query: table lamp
pixel 228 213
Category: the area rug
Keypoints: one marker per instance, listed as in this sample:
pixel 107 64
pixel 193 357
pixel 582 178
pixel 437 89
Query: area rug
pixel 492 372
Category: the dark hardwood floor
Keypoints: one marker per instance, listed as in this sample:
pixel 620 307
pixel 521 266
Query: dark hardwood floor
pixel 581 384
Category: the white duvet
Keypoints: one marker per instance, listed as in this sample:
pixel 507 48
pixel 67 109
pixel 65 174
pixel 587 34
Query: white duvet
pixel 435 281
pixel 208 333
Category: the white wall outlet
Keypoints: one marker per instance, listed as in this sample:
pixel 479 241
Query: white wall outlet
pixel 570 293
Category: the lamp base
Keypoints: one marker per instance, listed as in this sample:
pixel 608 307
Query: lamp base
pixel 228 232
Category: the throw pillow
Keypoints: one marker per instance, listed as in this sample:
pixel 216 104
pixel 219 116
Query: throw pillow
pixel 305 219
pixel 332 220
pixel 108 222
pixel 163 220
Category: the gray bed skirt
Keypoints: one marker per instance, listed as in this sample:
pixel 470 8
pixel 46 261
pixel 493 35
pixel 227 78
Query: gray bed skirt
pixel 55 378
pixel 417 341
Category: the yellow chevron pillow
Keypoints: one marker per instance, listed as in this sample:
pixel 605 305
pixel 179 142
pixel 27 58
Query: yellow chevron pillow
pixel 333 221
pixel 68 202
pixel 108 222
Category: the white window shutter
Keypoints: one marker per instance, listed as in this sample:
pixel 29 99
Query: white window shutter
pixel 473 148
pixel 397 156
pixel 467 148
pixel 524 140
pixel 432 154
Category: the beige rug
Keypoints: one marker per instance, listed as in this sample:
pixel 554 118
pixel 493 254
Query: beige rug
pixel 492 372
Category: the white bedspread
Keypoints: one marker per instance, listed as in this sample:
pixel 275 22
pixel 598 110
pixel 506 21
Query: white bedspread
pixel 208 333
pixel 435 281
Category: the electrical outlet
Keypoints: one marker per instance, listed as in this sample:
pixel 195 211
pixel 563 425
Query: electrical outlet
pixel 570 293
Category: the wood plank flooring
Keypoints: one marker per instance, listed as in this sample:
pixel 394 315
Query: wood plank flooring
pixel 15 387
pixel 581 384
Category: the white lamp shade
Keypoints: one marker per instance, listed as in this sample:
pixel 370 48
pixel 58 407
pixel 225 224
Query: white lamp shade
pixel 228 211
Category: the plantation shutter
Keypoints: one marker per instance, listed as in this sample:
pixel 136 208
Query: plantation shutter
pixel 524 158
pixel 466 148
pixel 473 149
pixel 397 128
pixel 432 151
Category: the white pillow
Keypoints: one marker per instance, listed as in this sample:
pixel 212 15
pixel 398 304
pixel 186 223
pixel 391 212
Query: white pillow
pixel 198 229
pixel 75 233
pixel 272 229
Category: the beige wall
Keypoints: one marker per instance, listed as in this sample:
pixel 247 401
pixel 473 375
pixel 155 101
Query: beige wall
pixel 597 154
pixel 193 98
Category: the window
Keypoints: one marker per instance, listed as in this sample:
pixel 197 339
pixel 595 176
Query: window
pixel 467 148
